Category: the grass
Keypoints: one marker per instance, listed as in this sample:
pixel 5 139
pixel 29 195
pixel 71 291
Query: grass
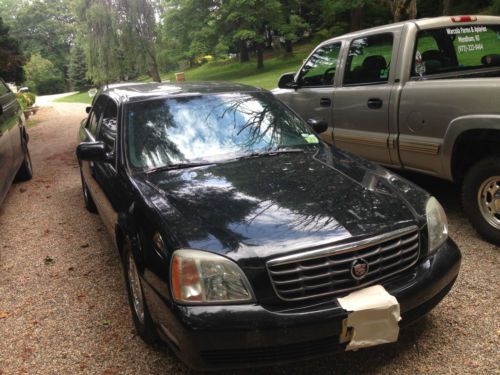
pixel 81 97
pixel 274 66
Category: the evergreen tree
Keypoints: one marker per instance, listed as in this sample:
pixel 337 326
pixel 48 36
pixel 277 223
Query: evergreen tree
pixel 77 69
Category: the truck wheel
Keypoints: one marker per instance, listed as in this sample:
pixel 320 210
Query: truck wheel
pixel 481 197
pixel 25 172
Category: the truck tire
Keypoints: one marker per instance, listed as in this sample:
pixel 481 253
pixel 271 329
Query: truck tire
pixel 25 172
pixel 481 197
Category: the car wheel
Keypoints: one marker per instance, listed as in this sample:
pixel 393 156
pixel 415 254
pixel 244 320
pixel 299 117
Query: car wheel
pixel 140 314
pixel 87 198
pixel 25 172
pixel 481 197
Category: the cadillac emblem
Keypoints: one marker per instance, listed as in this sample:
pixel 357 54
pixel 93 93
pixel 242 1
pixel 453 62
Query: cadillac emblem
pixel 359 268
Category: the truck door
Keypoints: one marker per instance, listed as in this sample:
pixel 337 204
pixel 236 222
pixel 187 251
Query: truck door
pixel 313 96
pixel 361 107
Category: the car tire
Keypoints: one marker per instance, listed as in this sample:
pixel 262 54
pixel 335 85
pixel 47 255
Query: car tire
pixel 87 198
pixel 25 172
pixel 481 197
pixel 140 313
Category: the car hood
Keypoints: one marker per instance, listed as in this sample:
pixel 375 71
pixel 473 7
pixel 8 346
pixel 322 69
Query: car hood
pixel 277 204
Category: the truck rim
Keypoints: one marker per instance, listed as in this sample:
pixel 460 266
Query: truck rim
pixel 135 288
pixel 489 201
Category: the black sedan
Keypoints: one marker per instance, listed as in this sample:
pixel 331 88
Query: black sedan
pixel 15 161
pixel 245 239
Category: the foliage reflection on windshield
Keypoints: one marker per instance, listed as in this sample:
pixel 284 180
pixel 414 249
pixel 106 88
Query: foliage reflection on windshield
pixel 210 128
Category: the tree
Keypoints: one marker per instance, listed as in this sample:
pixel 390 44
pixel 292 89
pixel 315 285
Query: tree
pixel 77 70
pixel 11 57
pixel 47 28
pixel 138 23
pixel 248 20
pixel 42 76
pixel 98 30
pixel 403 10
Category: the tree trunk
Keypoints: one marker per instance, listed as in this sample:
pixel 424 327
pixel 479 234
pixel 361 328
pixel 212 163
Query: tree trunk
pixel 404 10
pixel 260 55
pixel 155 72
pixel 244 57
pixel 446 5
pixel 288 46
pixel 357 18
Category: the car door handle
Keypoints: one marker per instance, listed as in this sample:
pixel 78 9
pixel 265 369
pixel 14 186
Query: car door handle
pixel 375 103
pixel 325 102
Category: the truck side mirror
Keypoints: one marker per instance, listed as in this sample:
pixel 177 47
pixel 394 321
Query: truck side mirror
pixel 286 81
pixel 87 109
pixel 319 126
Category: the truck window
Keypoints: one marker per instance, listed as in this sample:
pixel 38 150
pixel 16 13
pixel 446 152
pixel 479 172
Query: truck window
pixel 3 89
pixel 320 69
pixel 369 60
pixel 456 49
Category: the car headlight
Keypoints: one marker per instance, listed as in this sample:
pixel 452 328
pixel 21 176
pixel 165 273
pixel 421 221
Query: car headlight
pixel 200 277
pixel 437 224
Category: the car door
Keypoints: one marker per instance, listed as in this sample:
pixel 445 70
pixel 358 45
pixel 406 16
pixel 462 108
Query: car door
pixel 8 125
pixel 104 182
pixel 362 103
pixel 313 95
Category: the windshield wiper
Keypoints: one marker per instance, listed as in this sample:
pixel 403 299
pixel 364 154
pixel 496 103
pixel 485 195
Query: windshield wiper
pixel 259 154
pixel 179 166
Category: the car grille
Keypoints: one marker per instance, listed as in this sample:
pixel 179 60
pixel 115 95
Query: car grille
pixel 328 271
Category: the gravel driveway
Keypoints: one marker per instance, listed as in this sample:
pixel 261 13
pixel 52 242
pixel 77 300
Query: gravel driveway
pixel 63 306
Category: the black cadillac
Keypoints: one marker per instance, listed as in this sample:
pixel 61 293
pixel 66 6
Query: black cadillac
pixel 245 239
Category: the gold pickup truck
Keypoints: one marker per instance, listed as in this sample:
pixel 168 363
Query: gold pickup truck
pixel 421 95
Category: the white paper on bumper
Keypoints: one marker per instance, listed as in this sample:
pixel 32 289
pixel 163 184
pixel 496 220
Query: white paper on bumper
pixel 373 317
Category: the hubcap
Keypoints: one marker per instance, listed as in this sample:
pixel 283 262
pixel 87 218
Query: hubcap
pixel 135 288
pixel 489 201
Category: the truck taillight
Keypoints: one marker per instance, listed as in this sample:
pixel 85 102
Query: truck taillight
pixel 464 19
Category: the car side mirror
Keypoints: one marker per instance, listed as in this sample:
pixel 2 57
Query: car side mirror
pixel 319 126
pixel 93 151
pixel 287 81
pixel 87 109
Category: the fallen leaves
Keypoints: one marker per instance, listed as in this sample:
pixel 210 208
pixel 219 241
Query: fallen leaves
pixel 48 261
pixel 4 314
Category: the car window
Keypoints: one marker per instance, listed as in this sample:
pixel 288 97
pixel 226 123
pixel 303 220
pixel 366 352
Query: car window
pixel 95 115
pixel 456 49
pixel 369 59
pixel 211 128
pixel 320 69
pixel 107 132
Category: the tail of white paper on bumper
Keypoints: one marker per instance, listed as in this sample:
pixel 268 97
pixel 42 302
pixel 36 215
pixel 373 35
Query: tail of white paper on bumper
pixel 373 316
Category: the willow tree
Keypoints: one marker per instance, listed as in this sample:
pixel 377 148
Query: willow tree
pixel 98 30
pixel 137 23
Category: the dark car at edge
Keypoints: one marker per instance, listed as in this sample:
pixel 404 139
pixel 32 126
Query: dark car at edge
pixel 243 235
pixel 15 161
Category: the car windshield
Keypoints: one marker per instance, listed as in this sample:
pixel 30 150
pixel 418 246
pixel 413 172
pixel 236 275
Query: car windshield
pixel 211 128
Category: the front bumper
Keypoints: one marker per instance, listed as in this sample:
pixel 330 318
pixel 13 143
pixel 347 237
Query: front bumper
pixel 215 337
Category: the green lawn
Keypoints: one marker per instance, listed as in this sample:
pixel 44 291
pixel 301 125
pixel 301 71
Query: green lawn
pixel 247 73
pixel 81 97
pixel 274 66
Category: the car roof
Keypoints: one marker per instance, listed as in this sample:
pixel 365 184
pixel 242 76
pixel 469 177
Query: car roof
pixel 139 91
pixel 422 23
